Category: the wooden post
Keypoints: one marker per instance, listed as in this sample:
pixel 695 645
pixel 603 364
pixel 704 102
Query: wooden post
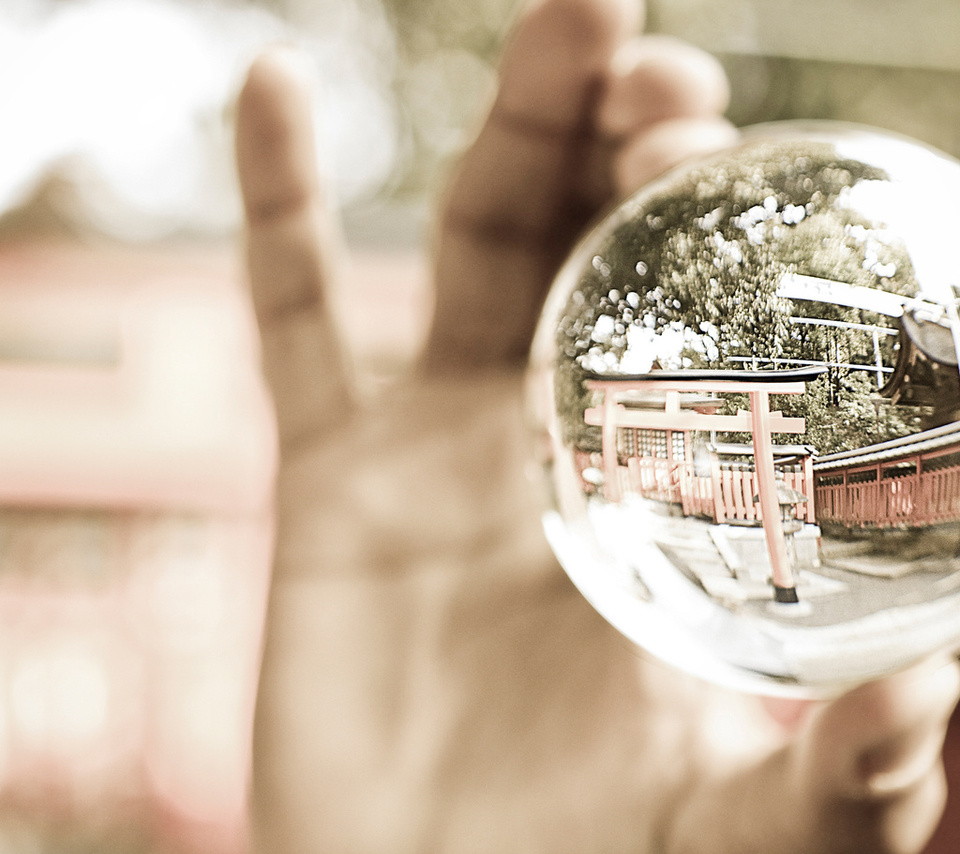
pixel 719 514
pixel 740 510
pixel 784 587
pixel 808 490
pixel 611 485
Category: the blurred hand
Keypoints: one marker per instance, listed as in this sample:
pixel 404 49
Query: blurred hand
pixel 431 681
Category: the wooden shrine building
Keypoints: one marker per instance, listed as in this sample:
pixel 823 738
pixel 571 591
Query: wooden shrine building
pixel 647 422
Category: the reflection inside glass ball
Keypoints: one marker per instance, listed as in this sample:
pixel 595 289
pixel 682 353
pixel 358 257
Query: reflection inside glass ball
pixel 746 393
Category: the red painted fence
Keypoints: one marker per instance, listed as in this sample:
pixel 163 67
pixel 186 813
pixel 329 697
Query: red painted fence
pixel 927 498
pixel 728 493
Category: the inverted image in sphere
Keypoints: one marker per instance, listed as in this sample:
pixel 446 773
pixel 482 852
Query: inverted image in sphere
pixel 746 399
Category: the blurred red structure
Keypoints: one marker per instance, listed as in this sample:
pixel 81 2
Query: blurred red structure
pixel 135 470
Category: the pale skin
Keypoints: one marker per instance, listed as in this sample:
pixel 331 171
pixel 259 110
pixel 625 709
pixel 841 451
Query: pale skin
pixel 431 681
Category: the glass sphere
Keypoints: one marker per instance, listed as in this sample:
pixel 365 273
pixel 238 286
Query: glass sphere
pixel 746 396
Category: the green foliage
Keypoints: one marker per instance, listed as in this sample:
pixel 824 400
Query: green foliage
pixel 446 53
pixel 692 273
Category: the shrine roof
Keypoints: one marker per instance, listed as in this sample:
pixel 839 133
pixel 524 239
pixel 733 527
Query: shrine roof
pixel 700 374
pixel 914 443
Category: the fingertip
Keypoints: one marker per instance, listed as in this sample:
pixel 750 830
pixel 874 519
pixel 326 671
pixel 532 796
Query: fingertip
pixel 593 23
pixel 274 131
pixel 658 77
pixel 885 737
pixel 667 144
pixel 928 690
pixel 558 53
pixel 277 86
pixel 278 62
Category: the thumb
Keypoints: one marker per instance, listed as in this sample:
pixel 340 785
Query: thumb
pixel 871 759
pixel 292 248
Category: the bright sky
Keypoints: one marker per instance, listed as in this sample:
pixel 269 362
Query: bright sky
pixel 919 204
pixel 129 99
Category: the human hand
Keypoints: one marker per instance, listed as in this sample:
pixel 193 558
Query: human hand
pixel 431 681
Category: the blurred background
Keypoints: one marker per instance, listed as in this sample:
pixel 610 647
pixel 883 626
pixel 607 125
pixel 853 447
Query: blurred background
pixel 134 434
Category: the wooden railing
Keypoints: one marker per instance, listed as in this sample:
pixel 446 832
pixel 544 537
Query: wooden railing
pixel 912 500
pixel 727 493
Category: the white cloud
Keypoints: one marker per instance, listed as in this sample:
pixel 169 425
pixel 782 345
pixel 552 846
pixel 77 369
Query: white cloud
pixel 129 100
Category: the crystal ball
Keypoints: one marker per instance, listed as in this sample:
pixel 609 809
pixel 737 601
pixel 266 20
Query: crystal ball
pixel 746 406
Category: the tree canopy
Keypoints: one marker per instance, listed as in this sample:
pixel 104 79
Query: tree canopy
pixel 689 278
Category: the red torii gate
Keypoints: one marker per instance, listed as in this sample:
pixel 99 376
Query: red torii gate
pixel 759 421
